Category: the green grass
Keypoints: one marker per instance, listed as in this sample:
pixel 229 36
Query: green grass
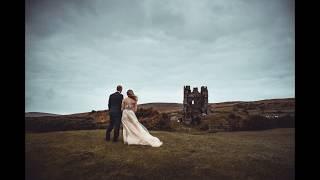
pixel 84 154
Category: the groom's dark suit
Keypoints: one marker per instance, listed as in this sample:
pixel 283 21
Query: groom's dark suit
pixel 115 113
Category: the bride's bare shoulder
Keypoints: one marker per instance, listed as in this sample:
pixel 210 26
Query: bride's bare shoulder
pixel 127 99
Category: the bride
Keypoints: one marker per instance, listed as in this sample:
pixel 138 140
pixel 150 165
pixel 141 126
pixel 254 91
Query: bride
pixel 133 131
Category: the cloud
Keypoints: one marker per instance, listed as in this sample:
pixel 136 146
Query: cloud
pixel 78 51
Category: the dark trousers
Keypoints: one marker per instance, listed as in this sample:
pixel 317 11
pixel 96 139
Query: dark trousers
pixel 115 120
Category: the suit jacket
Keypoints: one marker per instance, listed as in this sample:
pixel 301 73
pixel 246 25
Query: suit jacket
pixel 114 103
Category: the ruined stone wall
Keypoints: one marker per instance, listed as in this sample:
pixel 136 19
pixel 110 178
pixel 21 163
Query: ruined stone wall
pixel 195 104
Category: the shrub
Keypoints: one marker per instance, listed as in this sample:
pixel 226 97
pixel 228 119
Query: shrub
pixel 148 112
pixel 234 121
pixel 61 123
pixel 232 116
pixel 153 120
pixel 286 121
pixel 164 122
pixel 257 122
pixel 204 126
pixel 156 122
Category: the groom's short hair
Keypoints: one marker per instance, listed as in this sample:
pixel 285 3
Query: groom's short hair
pixel 119 88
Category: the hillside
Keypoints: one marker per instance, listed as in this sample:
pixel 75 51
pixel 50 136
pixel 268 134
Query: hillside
pixel 85 155
pixel 286 104
pixel 39 114
pixel 225 116
pixel 163 107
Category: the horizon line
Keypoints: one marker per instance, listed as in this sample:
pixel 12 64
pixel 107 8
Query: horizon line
pixel 165 102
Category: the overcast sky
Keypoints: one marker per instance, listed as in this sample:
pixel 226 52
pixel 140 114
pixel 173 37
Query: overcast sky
pixel 78 51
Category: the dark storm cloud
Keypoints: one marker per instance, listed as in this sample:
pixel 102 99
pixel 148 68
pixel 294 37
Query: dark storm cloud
pixel 77 51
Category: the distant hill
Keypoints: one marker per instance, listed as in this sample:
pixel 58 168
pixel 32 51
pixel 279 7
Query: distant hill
pixel 173 107
pixel 273 104
pixel 39 114
pixel 225 116
pixel 162 107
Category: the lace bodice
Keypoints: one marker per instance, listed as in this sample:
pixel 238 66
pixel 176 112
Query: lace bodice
pixel 129 104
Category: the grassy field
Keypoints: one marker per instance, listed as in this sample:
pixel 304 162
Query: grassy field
pixel 84 154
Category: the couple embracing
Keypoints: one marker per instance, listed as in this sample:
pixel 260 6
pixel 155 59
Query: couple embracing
pixel 122 110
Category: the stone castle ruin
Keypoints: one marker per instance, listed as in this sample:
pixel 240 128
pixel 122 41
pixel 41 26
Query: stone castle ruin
pixel 195 104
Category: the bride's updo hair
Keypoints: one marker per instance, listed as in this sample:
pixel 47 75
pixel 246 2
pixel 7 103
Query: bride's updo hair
pixel 131 95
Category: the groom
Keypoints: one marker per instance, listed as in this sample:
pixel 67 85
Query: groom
pixel 115 114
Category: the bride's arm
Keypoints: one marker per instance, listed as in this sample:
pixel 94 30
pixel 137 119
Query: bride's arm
pixel 135 107
pixel 122 105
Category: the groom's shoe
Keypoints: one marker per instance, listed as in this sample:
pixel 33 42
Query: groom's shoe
pixel 107 137
pixel 115 140
pixel 116 134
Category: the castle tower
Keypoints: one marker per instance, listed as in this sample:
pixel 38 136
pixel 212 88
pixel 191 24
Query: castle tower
pixel 196 107
pixel 186 90
pixel 187 98
pixel 204 93
pixel 195 104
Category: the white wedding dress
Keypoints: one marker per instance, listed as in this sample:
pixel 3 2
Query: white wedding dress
pixel 133 131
